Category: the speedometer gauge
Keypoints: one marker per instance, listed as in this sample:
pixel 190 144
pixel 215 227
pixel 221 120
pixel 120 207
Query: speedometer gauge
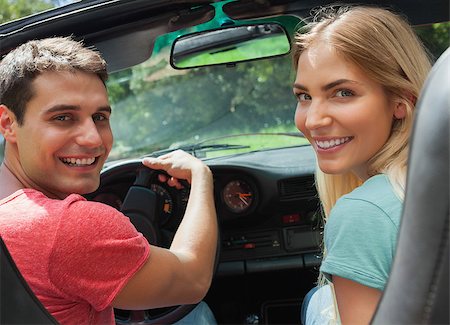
pixel 238 196
pixel 166 202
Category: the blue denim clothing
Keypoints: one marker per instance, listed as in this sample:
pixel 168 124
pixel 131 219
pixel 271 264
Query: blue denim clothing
pixel 305 304
pixel 200 315
pixel 319 308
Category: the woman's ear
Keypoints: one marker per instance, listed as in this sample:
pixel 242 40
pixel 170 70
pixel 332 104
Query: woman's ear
pixel 400 110
pixel 7 123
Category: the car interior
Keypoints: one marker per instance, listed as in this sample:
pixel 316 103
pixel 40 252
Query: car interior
pixel 421 265
pixel 270 226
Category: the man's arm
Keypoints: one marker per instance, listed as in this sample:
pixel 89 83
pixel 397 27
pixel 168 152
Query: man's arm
pixel 183 273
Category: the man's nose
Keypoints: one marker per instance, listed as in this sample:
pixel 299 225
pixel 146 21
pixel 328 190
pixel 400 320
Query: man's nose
pixel 318 115
pixel 89 135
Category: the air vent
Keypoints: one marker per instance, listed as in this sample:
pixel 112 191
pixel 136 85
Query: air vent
pixel 297 188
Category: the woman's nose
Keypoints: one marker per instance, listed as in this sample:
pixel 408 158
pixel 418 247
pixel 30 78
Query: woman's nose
pixel 317 115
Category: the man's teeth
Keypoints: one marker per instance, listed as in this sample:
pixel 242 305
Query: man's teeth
pixel 332 143
pixel 78 162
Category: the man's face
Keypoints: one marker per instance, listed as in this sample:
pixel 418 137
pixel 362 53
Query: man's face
pixel 65 137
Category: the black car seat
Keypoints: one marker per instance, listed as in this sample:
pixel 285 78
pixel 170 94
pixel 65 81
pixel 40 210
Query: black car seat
pixel 417 291
pixel 18 304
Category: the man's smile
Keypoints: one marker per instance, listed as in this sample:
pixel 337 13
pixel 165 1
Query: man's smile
pixel 79 162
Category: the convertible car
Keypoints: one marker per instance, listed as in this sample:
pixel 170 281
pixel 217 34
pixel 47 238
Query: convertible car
pixel 213 78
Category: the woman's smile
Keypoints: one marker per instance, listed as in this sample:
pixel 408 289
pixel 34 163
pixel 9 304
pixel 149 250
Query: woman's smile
pixel 332 143
pixel 345 115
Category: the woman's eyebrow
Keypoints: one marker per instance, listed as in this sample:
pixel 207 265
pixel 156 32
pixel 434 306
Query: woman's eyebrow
pixel 299 86
pixel 327 86
pixel 337 83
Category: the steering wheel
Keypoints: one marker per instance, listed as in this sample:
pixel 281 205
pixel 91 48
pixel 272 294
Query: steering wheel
pixel 141 205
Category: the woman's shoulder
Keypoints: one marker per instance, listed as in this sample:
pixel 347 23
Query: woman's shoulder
pixel 377 186
pixel 376 197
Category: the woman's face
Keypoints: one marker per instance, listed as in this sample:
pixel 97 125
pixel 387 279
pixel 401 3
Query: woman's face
pixel 346 116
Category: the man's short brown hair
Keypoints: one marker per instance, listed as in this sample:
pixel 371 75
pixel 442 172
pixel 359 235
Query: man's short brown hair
pixel 22 65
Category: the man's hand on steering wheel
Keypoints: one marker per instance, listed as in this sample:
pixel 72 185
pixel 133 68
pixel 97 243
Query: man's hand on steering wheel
pixel 180 275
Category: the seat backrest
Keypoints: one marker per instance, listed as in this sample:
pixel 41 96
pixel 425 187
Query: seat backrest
pixel 18 304
pixel 417 291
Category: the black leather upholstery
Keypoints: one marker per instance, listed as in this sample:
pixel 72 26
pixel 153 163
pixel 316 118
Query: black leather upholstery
pixel 18 304
pixel 418 288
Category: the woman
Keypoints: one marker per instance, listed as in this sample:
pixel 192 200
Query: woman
pixel 359 72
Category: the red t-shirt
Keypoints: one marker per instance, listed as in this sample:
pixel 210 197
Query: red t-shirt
pixel 76 255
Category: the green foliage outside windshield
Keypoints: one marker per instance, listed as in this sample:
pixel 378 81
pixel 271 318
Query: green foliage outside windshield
pixel 155 105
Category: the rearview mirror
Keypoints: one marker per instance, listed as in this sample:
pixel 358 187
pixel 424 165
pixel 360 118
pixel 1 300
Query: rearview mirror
pixel 229 45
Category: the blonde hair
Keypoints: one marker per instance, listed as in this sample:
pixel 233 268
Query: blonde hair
pixel 384 46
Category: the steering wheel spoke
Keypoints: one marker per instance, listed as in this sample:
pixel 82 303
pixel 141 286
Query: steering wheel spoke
pixel 140 206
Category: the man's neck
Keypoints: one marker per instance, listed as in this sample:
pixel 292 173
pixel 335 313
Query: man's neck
pixel 8 182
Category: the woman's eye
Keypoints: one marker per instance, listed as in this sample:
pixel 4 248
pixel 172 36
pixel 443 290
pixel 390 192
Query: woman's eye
pixel 344 93
pixel 303 96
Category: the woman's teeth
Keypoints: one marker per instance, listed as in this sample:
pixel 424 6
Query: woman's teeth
pixel 332 143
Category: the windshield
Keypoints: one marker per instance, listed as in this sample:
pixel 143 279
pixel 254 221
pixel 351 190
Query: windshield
pixel 157 107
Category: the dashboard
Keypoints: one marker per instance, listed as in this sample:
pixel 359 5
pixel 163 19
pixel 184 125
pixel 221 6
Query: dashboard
pixel 266 204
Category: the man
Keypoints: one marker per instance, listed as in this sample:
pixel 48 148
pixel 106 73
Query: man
pixel 83 258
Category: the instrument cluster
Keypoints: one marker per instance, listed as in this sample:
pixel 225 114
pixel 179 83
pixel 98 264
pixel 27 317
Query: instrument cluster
pixel 236 196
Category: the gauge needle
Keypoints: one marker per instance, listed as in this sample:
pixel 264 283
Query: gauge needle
pixel 243 200
pixel 242 197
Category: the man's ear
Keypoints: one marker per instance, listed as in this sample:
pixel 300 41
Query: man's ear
pixel 8 123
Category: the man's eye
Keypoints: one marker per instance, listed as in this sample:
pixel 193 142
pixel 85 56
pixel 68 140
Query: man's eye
pixel 344 93
pixel 62 118
pixel 99 117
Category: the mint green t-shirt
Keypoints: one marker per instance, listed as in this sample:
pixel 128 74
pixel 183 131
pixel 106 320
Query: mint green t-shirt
pixel 361 234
